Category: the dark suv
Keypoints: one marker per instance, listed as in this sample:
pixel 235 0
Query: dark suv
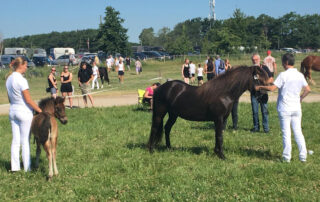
pixel 40 61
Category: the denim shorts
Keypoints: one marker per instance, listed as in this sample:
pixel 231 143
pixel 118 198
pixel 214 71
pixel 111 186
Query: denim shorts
pixel 53 91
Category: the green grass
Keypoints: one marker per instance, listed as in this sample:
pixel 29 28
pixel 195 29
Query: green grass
pixel 37 77
pixel 102 156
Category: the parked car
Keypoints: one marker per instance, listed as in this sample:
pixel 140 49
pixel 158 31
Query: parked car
pixel 40 61
pixel 64 60
pixel 139 56
pixel 153 55
pixel 6 60
pixel 2 66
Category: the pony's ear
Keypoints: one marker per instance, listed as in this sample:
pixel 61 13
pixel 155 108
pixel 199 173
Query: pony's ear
pixel 59 100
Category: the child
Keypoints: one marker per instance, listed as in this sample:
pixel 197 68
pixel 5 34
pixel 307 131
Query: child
pixel 200 74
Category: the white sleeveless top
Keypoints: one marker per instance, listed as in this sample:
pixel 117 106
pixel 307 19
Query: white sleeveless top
pixel 121 67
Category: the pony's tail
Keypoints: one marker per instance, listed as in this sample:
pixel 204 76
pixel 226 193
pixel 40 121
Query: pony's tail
pixel 156 132
pixel 302 68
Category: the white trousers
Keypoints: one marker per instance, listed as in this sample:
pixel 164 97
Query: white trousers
pixel 95 80
pixel 20 124
pixel 293 119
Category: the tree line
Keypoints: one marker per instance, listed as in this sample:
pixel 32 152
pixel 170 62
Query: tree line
pixel 226 36
pixel 205 35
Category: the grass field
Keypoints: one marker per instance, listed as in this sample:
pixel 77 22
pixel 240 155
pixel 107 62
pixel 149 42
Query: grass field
pixel 102 156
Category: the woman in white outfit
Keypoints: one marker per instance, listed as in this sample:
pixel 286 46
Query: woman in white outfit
pixel 20 114
pixel 290 83
pixel 121 70
pixel 95 72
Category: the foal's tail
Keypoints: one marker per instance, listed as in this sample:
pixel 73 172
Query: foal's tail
pixel 45 127
pixel 302 68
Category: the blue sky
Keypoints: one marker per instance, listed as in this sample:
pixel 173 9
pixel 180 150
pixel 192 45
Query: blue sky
pixel 27 17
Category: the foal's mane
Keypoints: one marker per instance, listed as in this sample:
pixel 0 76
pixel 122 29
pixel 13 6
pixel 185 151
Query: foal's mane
pixel 50 101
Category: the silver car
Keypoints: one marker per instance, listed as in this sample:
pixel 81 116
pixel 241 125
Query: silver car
pixel 64 60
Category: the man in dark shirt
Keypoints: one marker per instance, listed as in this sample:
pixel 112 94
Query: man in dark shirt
pixel 85 75
pixel 260 97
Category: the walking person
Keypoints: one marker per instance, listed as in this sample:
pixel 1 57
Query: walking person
pixel 260 97
pixel 128 61
pixel 200 75
pixel 270 62
pixel 20 114
pixel 220 66
pixel 192 72
pixel 66 86
pixel 109 63
pixel 210 69
pixel 52 81
pixel 185 71
pixel 121 70
pixel 138 66
pixel 290 84
pixel 84 77
pixel 96 75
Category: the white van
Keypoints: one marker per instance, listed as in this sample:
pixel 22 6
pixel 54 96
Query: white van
pixel 15 51
pixel 57 52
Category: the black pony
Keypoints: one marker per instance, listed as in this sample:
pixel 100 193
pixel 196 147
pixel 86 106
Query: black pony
pixel 210 102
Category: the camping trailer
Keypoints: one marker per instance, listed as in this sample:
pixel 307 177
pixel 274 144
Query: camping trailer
pixel 57 52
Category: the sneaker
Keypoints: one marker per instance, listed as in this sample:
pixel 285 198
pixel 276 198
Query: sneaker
pixel 303 160
pixel 102 86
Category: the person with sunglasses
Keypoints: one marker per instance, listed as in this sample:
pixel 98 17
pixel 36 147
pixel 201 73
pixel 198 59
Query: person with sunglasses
pixel 66 86
pixel 52 81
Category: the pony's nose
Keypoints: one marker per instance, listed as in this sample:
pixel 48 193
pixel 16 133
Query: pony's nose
pixel 64 121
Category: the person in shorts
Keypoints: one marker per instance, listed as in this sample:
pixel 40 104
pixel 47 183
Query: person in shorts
pixel 200 75
pixel 85 75
pixel 52 81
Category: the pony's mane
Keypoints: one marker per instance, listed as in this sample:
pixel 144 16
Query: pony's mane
pixel 235 79
pixel 46 101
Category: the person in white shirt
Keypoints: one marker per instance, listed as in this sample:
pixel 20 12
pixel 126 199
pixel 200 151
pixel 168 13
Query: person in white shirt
pixel 200 75
pixel 290 84
pixel 270 62
pixel 95 73
pixel 20 114
pixel 109 63
pixel 138 66
pixel 192 72
pixel 121 70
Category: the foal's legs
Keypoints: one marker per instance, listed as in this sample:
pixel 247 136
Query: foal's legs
pixel 219 138
pixel 172 119
pixel 38 154
pixel 47 148
pixel 54 149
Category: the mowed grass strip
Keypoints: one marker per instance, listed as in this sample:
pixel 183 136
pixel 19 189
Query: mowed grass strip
pixel 102 156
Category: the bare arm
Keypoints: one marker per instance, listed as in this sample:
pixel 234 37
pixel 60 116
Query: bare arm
pixel 29 101
pixel 306 91
pixel 275 67
pixel 182 70
pixel 53 83
pixel 269 88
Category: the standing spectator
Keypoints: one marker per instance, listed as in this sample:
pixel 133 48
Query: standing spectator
pixel 138 66
pixel 50 60
pixel 52 81
pixel 148 95
pixel 121 70
pixel 116 64
pixel 227 64
pixel 84 77
pixel 185 71
pixel 200 75
pixel 71 59
pixel 95 73
pixel 290 83
pixel 128 61
pixel 109 63
pixel 220 66
pixel 20 114
pixel 270 62
pixel 260 97
pixel 210 69
pixel 192 72
pixel 66 86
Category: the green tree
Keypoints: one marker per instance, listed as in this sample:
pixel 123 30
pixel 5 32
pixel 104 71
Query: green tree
pixel 147 37
pixel 112 36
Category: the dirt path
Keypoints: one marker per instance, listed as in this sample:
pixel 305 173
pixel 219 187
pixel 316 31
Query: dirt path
pixel 131 99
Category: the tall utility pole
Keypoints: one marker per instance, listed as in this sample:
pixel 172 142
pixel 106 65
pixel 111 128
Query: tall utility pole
pixel 212 5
